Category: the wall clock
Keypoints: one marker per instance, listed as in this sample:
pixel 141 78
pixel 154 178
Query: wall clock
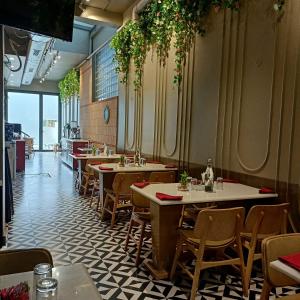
pixel 106 114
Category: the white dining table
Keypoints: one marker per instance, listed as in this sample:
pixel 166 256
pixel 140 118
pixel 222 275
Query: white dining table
pixel 85 157
pixel 74 282
pixel 165 216
pixel 116 168
pixel 286 270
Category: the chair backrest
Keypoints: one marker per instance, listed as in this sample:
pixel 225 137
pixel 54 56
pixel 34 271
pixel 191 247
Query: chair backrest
pixel 219 226
pixel 272 218
pixel 140 201
pixel 92 162
pixel 23 260
pixel 272 248
pixel 165 177
pixel 123 181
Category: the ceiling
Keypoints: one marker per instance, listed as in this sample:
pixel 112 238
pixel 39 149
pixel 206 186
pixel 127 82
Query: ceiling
pixel 58 56
pixel 116 6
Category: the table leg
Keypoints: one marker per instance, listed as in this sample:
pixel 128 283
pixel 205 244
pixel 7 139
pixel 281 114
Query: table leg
pixel 79 172
pixel 164 222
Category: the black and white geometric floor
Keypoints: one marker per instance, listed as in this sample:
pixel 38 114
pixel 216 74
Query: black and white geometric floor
pixel 50 214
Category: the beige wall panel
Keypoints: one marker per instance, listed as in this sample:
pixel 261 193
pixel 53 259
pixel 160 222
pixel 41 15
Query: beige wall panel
pixel 290 91
pixel 131 115
pixel 205 93
pixel 148 109
pixel 254 123
pixel 168 101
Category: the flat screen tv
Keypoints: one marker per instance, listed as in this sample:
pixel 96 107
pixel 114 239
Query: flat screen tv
pixel 52 18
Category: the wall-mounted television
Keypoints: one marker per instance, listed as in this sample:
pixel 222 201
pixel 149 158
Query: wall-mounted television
pixel 48 17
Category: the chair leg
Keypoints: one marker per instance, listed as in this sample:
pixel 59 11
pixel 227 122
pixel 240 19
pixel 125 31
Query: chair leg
pixel 249 266
pixel 196 279
pixel 86 186
pixel 128 234
pixel 176 257
pixel 104 207
pixel 265 293
pixel 140 245
pixel 113 216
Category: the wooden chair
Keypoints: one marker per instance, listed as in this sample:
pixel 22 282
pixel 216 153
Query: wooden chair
pixel 88 177
pixel 262 221
pixel 190 213
pixel 272 248
pixel 141 216
pixel 120 196
pixel 23 260
pixel 215 229
pixel 163 177
pixel 28 146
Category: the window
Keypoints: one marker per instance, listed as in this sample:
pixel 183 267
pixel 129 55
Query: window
pixel 38 113
pixel 105 75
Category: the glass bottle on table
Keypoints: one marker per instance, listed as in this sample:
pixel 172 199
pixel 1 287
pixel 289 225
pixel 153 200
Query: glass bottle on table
pixel 209 176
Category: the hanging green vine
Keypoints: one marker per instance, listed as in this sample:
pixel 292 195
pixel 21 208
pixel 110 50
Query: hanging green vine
pixel 69 86
pixel 158 23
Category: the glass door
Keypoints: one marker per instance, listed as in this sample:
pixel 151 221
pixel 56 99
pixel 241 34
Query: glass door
pixel 50 121
pixel 24 109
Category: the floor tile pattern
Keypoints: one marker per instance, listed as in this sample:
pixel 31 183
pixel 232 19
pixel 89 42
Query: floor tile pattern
pixel 49 213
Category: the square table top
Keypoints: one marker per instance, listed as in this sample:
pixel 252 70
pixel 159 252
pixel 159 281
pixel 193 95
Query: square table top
pixel 74 282
pixel 230 192
pixel 87 156
pixel 149 167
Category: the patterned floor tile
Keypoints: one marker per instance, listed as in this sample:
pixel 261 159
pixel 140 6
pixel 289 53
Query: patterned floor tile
pixel 49 213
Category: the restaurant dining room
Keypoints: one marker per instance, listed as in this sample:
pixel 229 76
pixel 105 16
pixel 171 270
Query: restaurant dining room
pixel 150 149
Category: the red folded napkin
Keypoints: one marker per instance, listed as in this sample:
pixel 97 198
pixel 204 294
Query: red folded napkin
pixel 79 155
pixel 162 196
pixel 153 162
pixel 265 190
pixel 105 168
pixel 230 180
pixel 293 260
pixel 141 185
pixel 171 166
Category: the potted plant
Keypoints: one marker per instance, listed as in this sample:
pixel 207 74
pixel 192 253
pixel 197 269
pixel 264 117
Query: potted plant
pixel 122 161
pixel 183 180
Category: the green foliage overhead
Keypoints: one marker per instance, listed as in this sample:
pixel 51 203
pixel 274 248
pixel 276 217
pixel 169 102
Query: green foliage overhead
pixel 158 23
pixel 69 86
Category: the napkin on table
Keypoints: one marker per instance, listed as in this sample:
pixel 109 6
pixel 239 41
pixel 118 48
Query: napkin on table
pixel 230 180
pixel 170 166
pixel 162 196
pixel 265 190
pixel 105 168
pixel 141 185
pixel 293 260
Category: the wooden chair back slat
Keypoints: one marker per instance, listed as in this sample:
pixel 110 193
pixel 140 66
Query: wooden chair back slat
pixel 217 226
pixel 123 181
pixel 273 219
pixel 165 177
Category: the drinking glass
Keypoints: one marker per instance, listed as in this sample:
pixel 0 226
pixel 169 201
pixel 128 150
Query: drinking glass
pixel 189 183
pixel 194 183
pixel 219 185
pixel 41 271
pixel 143 161
pixel 46 289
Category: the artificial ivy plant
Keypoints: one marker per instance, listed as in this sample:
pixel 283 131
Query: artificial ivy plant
pixel 158 23
pixel 69 86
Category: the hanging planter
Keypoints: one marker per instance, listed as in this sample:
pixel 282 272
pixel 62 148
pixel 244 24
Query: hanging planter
pixel 69 86
pixel 158 23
